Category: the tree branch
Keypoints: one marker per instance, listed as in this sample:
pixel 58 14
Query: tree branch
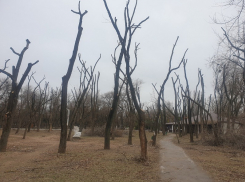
pixel 22 80
pixel 232 45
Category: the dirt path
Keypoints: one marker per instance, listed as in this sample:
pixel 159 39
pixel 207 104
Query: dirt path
pixel 177 166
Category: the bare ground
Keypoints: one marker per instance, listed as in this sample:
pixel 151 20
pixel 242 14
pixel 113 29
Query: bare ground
pixel 36 159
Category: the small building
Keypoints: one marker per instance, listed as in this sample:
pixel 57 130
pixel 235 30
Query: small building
pixel 208 123
pixel 170 126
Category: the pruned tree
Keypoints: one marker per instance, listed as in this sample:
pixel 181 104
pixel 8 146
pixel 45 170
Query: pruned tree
pixel 215 131
pixel 42 102
pixel 65 80
pixel 131 114
pixel 53 113
pixel 94 101
pixel 189 110
pixel 33 104
pixel 162 88
pixel 85 82
pixel 5 88
pixel 13 96
pixel 125 42
pixel 176 115
pixel 116 92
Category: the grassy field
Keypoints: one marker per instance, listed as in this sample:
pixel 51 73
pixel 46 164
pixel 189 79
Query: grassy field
pixel 36 159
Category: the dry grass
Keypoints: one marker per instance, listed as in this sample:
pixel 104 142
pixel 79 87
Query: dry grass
pixel 36 159
pixel 222 163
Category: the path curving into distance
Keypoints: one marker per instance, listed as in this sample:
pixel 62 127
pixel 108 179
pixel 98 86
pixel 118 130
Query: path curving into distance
pixel 176 166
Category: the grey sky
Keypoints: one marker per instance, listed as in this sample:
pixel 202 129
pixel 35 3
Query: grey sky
pixel 51 27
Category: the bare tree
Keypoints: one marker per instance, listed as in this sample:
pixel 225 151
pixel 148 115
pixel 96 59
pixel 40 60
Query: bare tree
pixel 65 80
pixel 227 19
pixel 5 88
pixel 176 117
pixel 161 92
pixel 125 42
pixel 131 114
pixel 33 105
pixel 94 101
pixel 81 95
pixel 189 110
pixel 215 132
pixel 54 107
pixel 42 102
pixel 13 97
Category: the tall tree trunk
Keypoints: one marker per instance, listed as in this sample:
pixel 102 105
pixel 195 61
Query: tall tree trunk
pixel 50 127
pixel 113 110
pixel 29 127
pixel 63 116
pixel 142 135
pixel 65 80
pixel 13 97
pixel 125 43
pixel 24 135
pixel 18 128
pixel 8 122
pixel 188 103
pixel 130 132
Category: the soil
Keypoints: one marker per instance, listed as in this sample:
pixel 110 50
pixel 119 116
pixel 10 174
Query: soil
pixel 35 159
pixel 177 166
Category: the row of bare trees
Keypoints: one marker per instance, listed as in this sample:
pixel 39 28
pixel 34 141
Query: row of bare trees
pixel 41 106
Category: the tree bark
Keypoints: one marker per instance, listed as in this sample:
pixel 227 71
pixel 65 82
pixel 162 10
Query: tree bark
pixel 65 80
pixel 13 97
pixel 113 109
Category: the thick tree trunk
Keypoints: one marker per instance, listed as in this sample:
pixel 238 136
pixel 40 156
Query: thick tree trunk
pixel 50 127
pixel 130 133
pixel 108 129
pixel 70 131
pixel 130 117
pixel 164 120
pixel 113 110
pixel 141 114
pixel 13 97
pixel 113 130
pixel 63 116
pixel 39 124
pixel 65 80
pixel 19 125
pixel 142 135
pixel 29 127
pixel 81 124
pixel 24 136
pixel 8 122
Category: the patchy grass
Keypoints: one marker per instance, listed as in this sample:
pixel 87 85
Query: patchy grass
pixel 222 163
pixel 36 159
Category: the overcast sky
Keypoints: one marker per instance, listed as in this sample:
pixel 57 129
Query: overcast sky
pixel 51 27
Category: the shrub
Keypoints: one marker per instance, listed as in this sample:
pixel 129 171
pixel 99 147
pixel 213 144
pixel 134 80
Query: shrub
pixel 231 139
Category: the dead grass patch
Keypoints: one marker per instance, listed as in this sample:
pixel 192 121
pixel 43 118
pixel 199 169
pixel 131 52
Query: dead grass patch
pixel 36 159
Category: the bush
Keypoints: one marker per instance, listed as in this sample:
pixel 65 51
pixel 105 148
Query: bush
pixel 231 139
pixel 98 131
pixel 235 139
